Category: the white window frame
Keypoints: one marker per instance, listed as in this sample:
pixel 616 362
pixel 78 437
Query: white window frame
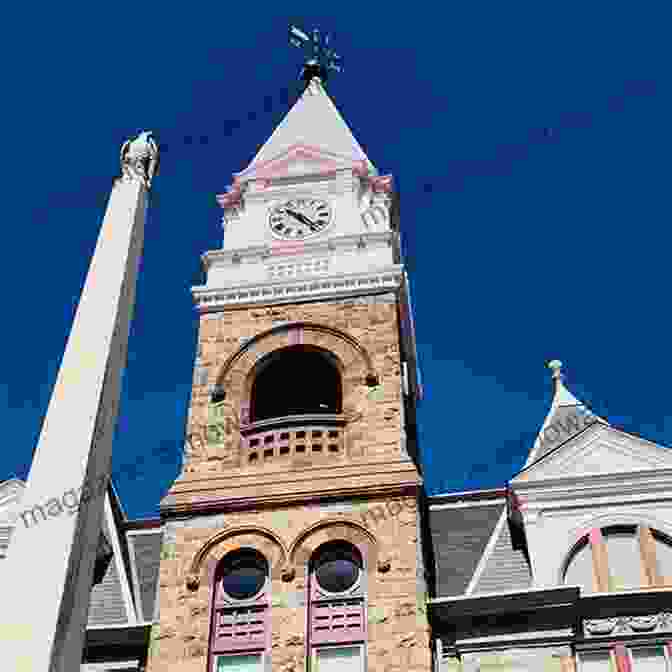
pixel 238 654
pixel 604 651
pixel 666 655
pixel 345 645
pixel 130 665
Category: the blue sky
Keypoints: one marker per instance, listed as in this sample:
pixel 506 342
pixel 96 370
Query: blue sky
pixel 531 146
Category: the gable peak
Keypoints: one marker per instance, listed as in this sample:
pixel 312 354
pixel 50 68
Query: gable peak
pixel 313 121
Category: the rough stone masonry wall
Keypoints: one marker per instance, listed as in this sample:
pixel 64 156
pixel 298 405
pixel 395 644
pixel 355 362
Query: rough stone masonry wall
pixel 363 333
pixel 374 417
pixel 386 530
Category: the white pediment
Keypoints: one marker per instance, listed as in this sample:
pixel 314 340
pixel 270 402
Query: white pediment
pixel 601 449
pixel 299 159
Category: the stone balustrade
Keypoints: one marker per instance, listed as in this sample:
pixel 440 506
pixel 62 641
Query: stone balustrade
pixel 288 438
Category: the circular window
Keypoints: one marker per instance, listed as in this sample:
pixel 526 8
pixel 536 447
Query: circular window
pixel 337 569
pixel 244 574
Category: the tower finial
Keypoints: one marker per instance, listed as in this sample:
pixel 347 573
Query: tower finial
pixel 556 366
pixel 320 58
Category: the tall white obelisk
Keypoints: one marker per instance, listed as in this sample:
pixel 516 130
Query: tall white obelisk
pixel 45 581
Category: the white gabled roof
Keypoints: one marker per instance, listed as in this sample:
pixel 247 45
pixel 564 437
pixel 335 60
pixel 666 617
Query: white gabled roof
pixel 313 121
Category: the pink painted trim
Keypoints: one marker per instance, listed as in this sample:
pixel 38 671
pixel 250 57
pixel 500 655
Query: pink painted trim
pixel 322 166
pixel 270 167
pixel 360 169
pixel 581 534
pixel 231 198
pixel 296 336
pixel 383 183
pixel 622 658
pixel 595 536
pixel 257 643
pixel 287 248
pixel 518 502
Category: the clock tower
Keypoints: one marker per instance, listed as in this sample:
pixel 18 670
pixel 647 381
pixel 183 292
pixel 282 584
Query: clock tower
pixel 292 535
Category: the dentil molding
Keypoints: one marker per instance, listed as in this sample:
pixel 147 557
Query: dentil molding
pixel 273 292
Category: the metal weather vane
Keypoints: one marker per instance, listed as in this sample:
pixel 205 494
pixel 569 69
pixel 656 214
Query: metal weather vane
pixel 320 57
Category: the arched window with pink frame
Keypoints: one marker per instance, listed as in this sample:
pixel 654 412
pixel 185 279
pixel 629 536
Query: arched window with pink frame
pixel 337 622
pixel 240 636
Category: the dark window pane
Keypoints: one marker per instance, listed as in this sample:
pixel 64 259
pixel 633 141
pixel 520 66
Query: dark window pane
pixel 244 575
pixel 337 568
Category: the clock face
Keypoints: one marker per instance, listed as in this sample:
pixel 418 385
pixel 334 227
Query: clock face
pixel 299 218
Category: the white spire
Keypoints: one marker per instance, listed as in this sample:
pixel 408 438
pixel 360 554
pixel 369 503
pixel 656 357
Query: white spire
pixel 567 417
pixel 562 396
pixel 315 122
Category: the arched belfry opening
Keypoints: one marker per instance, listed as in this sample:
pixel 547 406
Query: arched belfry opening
pixel 297 380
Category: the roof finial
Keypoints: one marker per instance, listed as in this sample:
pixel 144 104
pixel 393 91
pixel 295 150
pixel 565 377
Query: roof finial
pixel 320 58
pixel 556 366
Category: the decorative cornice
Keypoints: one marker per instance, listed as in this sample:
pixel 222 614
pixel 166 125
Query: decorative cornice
pixel 558 613
pixel 635 486
pixel 212 504
pixel 628 625
pixel 259 253
pixel 273 292
pixel 275 177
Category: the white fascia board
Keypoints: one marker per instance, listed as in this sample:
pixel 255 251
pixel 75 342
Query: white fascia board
pixel 465 505
pixel 624 487
pixel 438 601
pixel 110 666
pixel 485 557
pixel 134 576
pixel 119 560
pixel 119 626
pixel 153 530
pixel 531 640
pixel 136 582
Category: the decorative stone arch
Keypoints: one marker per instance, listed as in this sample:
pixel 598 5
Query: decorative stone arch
pixel 336 529
pixel 204 563
pixel 576 536
pixel 353 360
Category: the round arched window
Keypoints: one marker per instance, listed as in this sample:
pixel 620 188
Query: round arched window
pixel 619 558
pixel 337 567
pixel 244 574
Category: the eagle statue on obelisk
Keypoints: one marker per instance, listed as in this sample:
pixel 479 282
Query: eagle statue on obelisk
pixel 139 157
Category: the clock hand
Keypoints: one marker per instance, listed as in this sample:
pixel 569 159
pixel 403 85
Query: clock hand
pixel 309 222
pixel 302 218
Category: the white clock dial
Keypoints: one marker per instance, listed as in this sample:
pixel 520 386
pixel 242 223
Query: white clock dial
pixel 300 218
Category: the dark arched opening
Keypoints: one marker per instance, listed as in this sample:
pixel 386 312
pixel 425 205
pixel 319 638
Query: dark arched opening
pixel 296 380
